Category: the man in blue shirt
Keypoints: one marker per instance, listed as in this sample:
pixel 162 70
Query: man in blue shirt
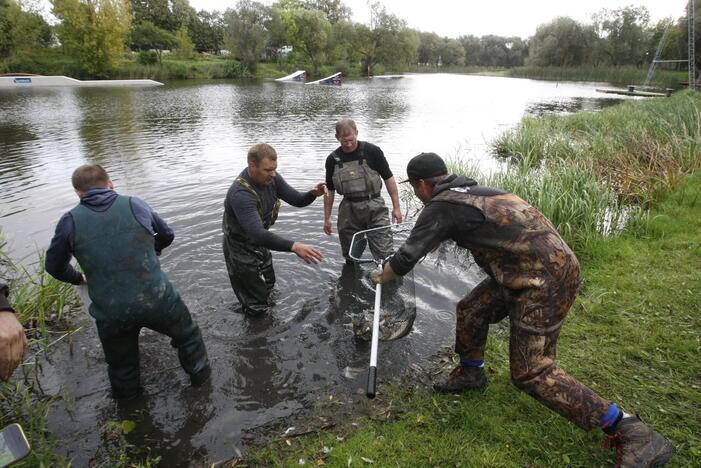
pixel 116 240
pixel 250 209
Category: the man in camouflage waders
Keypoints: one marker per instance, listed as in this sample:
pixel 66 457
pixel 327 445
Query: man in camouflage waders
pixel 250 208
pixel 533 278
pixel 116 240
pixel 356 170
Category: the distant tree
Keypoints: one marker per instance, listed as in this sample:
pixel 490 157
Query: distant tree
pixel 22 30
pixel 246 31
pixel 451 52
pixel 284 5
pixel 563 42
pixel 148 36
pixel 429 50
pixel 184 48
pixel 473 49
pixel 207 33
pixel 342 42
pixel 93 31
pixel 308 32
pixel 334 10
pixel 625 34
pixel 387 41
pixel 277 38
pixel 156 12
pixel 183 14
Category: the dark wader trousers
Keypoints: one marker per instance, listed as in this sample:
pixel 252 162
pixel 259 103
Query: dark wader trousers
pixel 354 216
pixel 129 291
pixel 120 342
pixel 251 275
pixel 536 316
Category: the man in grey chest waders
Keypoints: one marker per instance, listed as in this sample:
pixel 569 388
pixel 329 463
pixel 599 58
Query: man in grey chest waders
pixel 116 240
pixel 532 278
pixel 250 208
pixel 356 170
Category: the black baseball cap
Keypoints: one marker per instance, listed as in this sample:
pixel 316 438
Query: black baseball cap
pixel 425 166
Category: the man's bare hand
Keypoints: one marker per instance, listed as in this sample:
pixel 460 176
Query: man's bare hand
pixel 397 215
pixel 13 343
pixel 328 229
pixel 307 253
pixel 319 189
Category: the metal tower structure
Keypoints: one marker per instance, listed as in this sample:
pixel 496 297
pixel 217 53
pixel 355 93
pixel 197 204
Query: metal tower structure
pixel 656 58
pixel 691 19
pixel 691 22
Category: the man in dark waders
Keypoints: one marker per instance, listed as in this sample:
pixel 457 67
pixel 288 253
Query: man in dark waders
pixel 250 208
pixel 356 170
pixel 533 278
pixel 116 240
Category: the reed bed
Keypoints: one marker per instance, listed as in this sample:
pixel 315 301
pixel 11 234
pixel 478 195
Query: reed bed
pixel 613 75
pixel 566 193
pixel 638 150
pixel 595 174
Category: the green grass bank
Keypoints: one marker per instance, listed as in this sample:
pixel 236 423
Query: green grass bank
pixel 620 76
pixel 633 335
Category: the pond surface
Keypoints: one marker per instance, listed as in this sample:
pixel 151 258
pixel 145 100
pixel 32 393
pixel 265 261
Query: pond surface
pixel 179 147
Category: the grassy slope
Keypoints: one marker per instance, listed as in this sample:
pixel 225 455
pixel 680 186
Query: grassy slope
pixel 633 336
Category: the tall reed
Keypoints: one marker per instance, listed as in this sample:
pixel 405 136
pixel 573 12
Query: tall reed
pixel 638 150
pixel 566 193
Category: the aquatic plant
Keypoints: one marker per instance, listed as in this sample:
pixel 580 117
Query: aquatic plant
pixel 637 150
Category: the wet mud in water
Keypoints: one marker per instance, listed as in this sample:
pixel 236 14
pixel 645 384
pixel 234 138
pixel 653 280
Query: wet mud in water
pixel 268 372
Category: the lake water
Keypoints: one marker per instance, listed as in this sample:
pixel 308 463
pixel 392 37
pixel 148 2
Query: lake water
pixel 179 147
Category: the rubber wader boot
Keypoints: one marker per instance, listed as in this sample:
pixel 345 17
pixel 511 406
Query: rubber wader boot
pixel 637 445
pixel 462 378
pixel 201 377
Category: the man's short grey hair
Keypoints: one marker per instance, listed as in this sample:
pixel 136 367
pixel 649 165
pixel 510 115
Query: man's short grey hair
pixel 261 151
pixel 345 125
pixel 89 176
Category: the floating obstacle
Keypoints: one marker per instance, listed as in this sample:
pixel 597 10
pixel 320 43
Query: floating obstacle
pixel 631 91
pixel 335 79
pixel 23 80
pixel 297 77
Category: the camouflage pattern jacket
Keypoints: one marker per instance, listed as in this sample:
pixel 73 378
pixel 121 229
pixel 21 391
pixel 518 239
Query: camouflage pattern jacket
pixel 510 240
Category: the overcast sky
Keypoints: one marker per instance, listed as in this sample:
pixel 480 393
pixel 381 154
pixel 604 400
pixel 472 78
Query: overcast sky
pixel 455 18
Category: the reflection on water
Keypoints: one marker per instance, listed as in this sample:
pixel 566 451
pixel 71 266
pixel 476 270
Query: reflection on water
pixel 178 147
pixel 569 105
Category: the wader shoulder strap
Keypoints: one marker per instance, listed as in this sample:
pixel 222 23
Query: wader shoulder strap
pixel 259 203
pixel 361 151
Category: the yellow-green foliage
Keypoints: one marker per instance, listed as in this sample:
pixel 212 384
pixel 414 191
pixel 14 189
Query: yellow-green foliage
pixel 94 32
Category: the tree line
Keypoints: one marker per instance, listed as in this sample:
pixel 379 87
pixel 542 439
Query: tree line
pixel 312 33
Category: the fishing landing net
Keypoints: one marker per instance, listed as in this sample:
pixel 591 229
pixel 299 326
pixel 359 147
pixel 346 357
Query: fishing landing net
pixel 369 249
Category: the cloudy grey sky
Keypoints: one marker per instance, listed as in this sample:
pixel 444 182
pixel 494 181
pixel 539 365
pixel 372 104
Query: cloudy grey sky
pixel 455 18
